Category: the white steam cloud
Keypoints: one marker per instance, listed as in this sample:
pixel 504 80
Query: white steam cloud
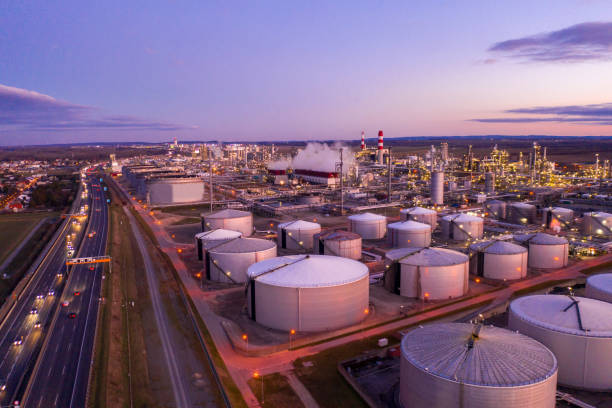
pixel 318 157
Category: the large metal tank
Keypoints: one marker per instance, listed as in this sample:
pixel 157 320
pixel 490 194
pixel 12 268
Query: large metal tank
pixel 599 287
pixel 496 209
pixel 420 214
pixel 297 234
pixel 369 225
pixel 308 293
pixel 489 183
pixel 208 239
pixel 578 330
pixel 462 227
pixel 338 243
pixel 174 190
pixel 557 217
pixel 522 213
pixel 427 273
pixel 463 365
pixel 498 260
pixel 545 251
pixel 597 223
pixel 228 262
pixel 235 220
pixel 437 187
pixel 409 233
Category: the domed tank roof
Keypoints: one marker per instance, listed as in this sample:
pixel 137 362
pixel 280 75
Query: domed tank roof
pixel 541 238
pixel 552 312
pixel 338 235
pixel 410 225
pixel 493 356
pixel 307 271
pixel 601 281
pixel 427 256
pixel 218 234
pixel 462 218
pixel 300 225
pixel 417 211
pixel 228 213
pixel 241 245
pixel 498 247
pixel 367 216
pixel 522 205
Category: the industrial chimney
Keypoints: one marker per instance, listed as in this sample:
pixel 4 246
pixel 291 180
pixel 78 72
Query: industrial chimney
pixel 380 147
pixel 362 140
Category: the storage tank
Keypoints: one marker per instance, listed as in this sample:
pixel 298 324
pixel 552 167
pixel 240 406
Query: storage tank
pixel 577 330
pixel 420 214
pixel 308 293
pixel 235 220
pixel 597 223
pixel 427 273
pixel 496 209
pixel 545 251
pixel 338 243
pixel 228 262
pixel 599 287
pixel 462 227
pixel 463 365
pixel 498 260
pixel 208 239
pixel 557 217
pixel 489 183
pixel 437 187
pixel 522 213
pixel 409 234
pixel 369 225
pixel 297 234
pixel 174 190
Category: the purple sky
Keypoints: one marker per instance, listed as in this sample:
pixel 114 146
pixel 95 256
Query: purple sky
pixel 150 70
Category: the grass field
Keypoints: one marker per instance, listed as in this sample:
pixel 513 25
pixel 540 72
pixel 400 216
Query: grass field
pixel 15 227
pixel 276 392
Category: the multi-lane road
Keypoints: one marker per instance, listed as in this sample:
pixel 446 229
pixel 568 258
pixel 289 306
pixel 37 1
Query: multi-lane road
pixel 43 347
pixel 62 372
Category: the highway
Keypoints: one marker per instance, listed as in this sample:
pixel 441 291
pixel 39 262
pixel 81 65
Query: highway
pixel 21 323
pixel 61 375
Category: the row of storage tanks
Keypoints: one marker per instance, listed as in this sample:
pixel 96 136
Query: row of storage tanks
pixel 550 339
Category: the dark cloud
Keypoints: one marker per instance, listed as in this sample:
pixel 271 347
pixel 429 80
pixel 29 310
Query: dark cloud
pixel 21 109
pixel 580 42
pixel 599 114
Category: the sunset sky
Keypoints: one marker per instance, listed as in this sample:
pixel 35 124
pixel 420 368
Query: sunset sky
pixel 74 71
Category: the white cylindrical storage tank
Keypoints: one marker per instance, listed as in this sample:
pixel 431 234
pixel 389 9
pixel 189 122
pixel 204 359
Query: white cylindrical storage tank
pixel 578 330
pixel 228 262
pixel 427 273
pixel 338 243
pixel 498 260
pixel 463 365
pixel 297 234
pixel 235 220
pixel 545 251
pixel 522 213
pixel 437 187
pixel 557 217
pixel 462 227
pixel 420 214
pixel 496 209
pixel 308 293
pixel 599 287
pixel 489 183
pixel 409 234
pixel 369 225
pixel 207 239
pixel 597 223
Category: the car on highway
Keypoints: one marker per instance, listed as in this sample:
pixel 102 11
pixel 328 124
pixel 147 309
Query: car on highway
pixel 37 325
pixel 77 293
pixel 91 268
pixel 59 274
pixel 65 303
pixel 72 315
pixel 33 311
pixel 51 292
pixel 2 386
pixel 18 341
pixel 40 296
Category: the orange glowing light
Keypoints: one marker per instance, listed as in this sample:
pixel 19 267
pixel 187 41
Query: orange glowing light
pixel 150 212
pixel 366 311
pixel 426 294
pixel 198 275
pixel 179 250
pixel 556 258
pixel 173 236
pixel 292 332
pixel 245 337
pixel 477 280
pixel 255 374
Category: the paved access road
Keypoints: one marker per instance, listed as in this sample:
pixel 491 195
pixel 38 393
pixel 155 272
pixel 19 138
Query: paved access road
pixel 62 373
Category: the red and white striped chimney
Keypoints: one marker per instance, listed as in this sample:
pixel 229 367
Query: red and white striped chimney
pixel 362 140
pixel 380 140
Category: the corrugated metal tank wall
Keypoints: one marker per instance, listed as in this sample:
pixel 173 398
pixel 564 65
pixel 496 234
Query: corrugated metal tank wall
pixel 599 287
pixel 309 309
pixel 548 256
pixel 369 229
pixel 236 263
pixel 290 238
pixel 175 191
pixel 347 248
pixel 240 224
pixel 402 238
pixel 439 282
